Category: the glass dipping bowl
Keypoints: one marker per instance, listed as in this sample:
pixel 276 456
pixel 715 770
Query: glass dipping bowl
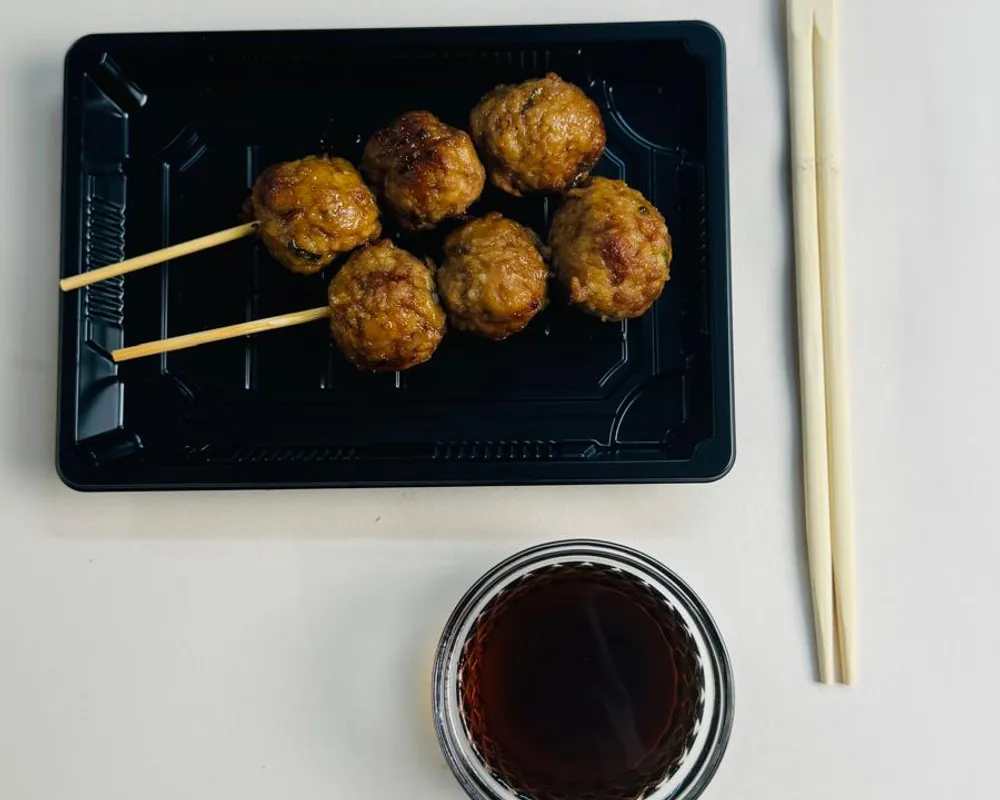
pixel 703 742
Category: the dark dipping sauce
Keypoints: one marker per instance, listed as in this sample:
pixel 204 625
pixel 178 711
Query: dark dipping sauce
pixel 580 679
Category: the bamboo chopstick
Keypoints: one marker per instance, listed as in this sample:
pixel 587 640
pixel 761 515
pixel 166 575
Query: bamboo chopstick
pixel 810 325
pixel 157 256
pixel 218 334
pixel 835 333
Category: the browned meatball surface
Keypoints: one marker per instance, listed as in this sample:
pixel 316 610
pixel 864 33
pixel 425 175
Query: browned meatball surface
pixel 611 249
pixel 494 279
pixel 424 169
pixel 312 209
pixel 385 313
pixel 542 135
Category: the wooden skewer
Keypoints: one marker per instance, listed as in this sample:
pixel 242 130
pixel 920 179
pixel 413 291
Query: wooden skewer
pixel 218 334
pixel 835 334
pixel 810 325
pixel 157 256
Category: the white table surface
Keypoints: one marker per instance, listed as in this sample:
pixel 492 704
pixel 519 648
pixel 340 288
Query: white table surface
pixel 277 645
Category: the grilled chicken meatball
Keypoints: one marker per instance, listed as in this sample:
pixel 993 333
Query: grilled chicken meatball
pixel 542 135
pixel 493 280
pixel 611 249
pixel 424 169
pixel 385 313
pixel 312 209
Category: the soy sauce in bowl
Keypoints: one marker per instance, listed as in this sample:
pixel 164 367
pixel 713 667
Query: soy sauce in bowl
pixel 582 669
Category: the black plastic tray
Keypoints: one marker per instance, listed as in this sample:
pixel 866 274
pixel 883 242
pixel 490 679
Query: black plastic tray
pixel 164 134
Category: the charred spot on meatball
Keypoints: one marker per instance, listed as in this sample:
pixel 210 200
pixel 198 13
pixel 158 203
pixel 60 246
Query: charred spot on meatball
pixel 385 314
pixel 611 249
pixel 424 169
pixel 543 135
pixel 311 210
pixel 494 278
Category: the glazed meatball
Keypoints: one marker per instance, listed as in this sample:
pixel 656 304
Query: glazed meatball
pixel 385 314
pixel 424 169
pixel 611 249
pixel 312 209
pixel 542 135
pixel 494 279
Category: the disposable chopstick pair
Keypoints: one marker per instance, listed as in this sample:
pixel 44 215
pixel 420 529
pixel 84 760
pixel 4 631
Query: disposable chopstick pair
pixel 822 331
